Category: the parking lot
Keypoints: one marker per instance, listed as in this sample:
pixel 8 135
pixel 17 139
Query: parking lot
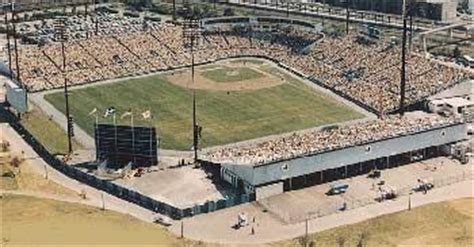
pixel 181 186
pixel 296 206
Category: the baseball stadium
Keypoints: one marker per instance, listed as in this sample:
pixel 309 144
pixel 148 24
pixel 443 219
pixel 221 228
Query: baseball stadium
pixel 266 104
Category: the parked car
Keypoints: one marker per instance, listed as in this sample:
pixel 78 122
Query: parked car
pixel 337 188
pixel 162 220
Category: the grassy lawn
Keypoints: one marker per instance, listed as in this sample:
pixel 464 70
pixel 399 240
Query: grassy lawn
pixel 232 74
pixel 25 178
pixel 48 132
pixel 225 117
pixel 440 224
pixel 28 221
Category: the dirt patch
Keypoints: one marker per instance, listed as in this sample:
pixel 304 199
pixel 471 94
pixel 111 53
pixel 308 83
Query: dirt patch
pixel 182 78
pixel 464 206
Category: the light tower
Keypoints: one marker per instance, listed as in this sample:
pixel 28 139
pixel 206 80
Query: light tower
pixel 62 36
pixel 405 12
pixel 191 38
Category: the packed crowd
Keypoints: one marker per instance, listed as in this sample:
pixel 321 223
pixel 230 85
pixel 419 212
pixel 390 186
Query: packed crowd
pixel 313 142
pixel 369 74
pixel 114 56
pixel 81 27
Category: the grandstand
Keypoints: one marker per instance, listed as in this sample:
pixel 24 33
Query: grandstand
pixel 365 73
pixel 303 159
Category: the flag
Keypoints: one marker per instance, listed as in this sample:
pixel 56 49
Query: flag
pixel 146 114
pixel 126 114
pixel 110 111
pixel 92 112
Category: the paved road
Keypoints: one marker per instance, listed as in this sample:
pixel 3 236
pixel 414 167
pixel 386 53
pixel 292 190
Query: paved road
pixel 216 227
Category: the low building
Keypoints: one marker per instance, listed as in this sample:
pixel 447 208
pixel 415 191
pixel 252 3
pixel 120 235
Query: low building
pixel 265 179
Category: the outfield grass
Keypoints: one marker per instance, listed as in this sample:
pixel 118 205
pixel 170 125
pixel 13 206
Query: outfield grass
pixel 225 117
pixel 48 132
pixel 227 74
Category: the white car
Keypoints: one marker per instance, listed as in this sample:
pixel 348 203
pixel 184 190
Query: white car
pixel 162 220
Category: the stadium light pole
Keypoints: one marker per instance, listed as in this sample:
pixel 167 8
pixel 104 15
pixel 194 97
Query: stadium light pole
pixel 174 10
pixel 191 35
pixel 347 16
pixel 15 42
pixel 61 35
pixel 403 72
pixel 8 36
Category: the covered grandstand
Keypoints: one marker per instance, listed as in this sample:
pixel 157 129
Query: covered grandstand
pixel 299 160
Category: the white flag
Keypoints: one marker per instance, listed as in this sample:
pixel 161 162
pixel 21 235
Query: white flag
pixel 146 114
pixel 92 112
pixel 126 114
pixel 109 111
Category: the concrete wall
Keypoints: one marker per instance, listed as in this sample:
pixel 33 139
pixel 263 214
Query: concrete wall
pixel 267 173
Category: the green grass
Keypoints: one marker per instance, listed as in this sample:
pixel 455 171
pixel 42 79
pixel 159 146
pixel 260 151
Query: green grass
pixel 226 118
pixel 48 132
pixel 226 74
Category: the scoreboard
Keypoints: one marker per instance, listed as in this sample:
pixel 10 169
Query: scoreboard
pixel 121 144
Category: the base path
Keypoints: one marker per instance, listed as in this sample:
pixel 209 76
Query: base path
pixel 217 227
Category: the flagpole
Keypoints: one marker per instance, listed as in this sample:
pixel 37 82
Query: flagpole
pixel 95 132
pixel 115 139
pixel 133 139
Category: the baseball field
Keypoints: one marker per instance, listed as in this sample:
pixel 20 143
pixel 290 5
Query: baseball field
pixel 236 101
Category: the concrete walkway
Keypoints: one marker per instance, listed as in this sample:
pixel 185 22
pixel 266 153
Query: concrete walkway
pixel 217 227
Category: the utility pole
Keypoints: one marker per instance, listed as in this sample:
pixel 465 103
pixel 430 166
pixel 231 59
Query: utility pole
pixel 306 231
pixel 61 35
pixel 403 72
pixel 103 200
pixel 191 36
